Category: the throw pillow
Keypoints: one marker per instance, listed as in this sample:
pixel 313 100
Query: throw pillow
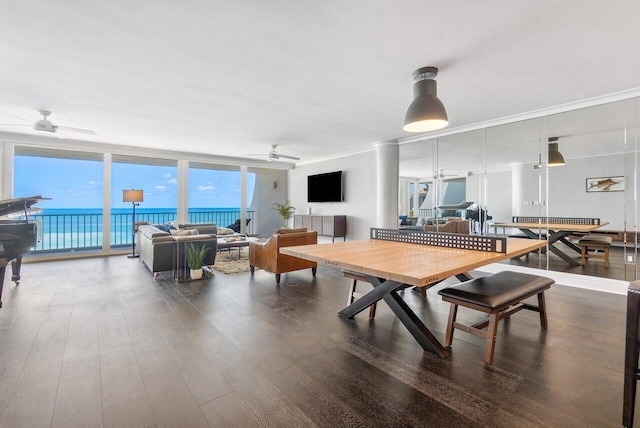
pixel 225 231
pixel 166 227
pixel 421 221
pixel 183 232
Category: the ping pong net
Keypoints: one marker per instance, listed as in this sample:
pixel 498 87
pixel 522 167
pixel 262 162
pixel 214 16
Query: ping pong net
pixel 440 239
pixel 556 220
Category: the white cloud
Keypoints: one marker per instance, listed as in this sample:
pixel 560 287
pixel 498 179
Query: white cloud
pixel 173 181
pixel 91 182
pixel 203 187
pixel 166 176
pixel 160 188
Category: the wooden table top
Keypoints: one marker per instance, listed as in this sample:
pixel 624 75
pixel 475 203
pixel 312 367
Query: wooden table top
pixel 553 226
pixel 413 264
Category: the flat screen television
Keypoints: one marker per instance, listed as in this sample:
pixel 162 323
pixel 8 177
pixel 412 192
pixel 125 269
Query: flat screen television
pixel 325 187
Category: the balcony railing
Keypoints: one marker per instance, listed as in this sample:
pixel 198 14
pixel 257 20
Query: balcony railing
pixel 78 232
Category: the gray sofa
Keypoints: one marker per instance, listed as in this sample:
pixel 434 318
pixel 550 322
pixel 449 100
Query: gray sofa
pixel 157 248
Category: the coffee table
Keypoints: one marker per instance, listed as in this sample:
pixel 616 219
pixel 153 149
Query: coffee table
pixel 235 241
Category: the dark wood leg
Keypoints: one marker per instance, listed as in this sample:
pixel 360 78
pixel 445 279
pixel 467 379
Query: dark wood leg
pixel 314 270
pixel 372 311
pixel 253 269
pixel 448 336
pixel 542 306
pixel 631 354
pixel 277 278
pixel 492 332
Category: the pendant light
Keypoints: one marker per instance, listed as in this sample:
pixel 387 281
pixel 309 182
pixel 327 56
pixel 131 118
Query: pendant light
pixel 555 157
pixel 426 112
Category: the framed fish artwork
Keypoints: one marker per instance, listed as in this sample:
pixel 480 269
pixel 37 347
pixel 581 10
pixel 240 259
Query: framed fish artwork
pixel 606 184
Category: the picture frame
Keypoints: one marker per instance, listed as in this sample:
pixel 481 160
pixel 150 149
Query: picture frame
pixel 606 184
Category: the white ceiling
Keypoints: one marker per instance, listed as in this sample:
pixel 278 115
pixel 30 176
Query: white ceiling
pixel 317 78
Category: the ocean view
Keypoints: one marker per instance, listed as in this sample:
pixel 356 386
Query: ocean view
pixel 69 229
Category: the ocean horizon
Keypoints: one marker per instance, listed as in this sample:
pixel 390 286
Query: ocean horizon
pixel 69 229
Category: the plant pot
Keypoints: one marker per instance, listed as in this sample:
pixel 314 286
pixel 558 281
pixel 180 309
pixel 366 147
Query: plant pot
pixel 196 273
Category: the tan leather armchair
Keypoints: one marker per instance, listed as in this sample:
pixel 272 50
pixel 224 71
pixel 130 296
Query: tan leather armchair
pixel 266 255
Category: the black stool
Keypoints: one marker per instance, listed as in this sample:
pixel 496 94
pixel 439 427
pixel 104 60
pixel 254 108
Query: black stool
pixel 631 353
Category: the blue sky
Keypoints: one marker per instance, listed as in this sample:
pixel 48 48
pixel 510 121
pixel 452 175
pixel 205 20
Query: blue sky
pixel 79 183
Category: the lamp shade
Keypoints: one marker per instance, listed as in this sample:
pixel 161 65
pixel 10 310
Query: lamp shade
pixel 426 112
pixel 555 157
pixel 132 196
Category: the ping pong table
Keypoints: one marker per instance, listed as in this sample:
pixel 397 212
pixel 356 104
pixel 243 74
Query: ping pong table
pixel 392 265
pixel 559 229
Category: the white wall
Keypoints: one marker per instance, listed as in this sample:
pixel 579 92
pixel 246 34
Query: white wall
pixel 268 220
pixel 498 194
pixel 567 190
pixel 359 175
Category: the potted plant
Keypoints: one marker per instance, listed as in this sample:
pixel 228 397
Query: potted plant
pixel 284 210
pixel 195 254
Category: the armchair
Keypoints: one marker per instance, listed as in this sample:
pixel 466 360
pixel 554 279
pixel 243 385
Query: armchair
pixel 266 255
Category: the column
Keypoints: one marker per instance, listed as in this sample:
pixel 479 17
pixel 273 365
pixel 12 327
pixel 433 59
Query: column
pixel 183 191
pixel 387 168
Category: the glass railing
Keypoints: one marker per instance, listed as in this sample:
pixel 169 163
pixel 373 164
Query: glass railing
pixel 71 232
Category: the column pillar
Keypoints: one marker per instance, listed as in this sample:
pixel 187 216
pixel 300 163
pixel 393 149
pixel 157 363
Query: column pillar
pixel 387 169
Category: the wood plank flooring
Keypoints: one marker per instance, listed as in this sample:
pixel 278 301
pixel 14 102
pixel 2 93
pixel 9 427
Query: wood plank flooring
pixel 98 342
pixel 594 267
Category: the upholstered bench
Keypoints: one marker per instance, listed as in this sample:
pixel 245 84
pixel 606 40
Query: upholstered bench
pixel 494 294
pixel 595 243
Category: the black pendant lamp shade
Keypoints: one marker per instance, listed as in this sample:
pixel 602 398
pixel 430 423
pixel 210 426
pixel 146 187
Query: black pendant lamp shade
pixel 555 157
pixel 426 112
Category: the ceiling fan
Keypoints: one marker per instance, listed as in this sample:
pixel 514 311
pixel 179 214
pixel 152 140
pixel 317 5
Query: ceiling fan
pixel 273 155
pixel 45 126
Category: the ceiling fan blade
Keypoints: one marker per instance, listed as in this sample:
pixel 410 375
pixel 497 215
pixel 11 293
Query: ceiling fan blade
pixel 13 124
pixel 77 130
pixel 61 134
pixel 21 118
pixel 288 157
pixel 257 154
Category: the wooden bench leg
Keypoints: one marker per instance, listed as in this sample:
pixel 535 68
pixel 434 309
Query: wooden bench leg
pixel 606 257
pixel 583 255
pixel 351 298
pixel 492 332
pixel 448 337
pixel 542 306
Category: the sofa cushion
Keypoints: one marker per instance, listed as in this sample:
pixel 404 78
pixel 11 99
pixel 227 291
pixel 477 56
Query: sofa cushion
pixel 183 232
pixel 151 231
pixel 421 221
pixel 225 231
pixel 203 228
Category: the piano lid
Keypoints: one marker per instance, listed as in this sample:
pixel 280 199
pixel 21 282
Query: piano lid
pixel 9 206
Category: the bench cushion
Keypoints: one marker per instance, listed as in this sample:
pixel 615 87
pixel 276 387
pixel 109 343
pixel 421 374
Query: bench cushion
pixel 498 289
pixel 595 239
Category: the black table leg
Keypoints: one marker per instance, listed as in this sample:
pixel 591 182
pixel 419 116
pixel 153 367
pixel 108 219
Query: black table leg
pixel 387 290
pixel 631 354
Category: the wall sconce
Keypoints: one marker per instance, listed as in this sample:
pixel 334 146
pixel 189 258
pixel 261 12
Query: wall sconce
pixel 135 197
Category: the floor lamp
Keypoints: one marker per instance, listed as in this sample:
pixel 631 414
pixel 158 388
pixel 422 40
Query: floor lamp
pixel 135 197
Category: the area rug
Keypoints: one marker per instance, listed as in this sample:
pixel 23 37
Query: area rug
pixel 227 261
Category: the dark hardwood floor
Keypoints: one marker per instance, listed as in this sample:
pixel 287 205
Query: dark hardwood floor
pixel 98 342
pixel 595 267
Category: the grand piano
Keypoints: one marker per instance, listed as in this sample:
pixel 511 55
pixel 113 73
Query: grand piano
pixel 17 237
